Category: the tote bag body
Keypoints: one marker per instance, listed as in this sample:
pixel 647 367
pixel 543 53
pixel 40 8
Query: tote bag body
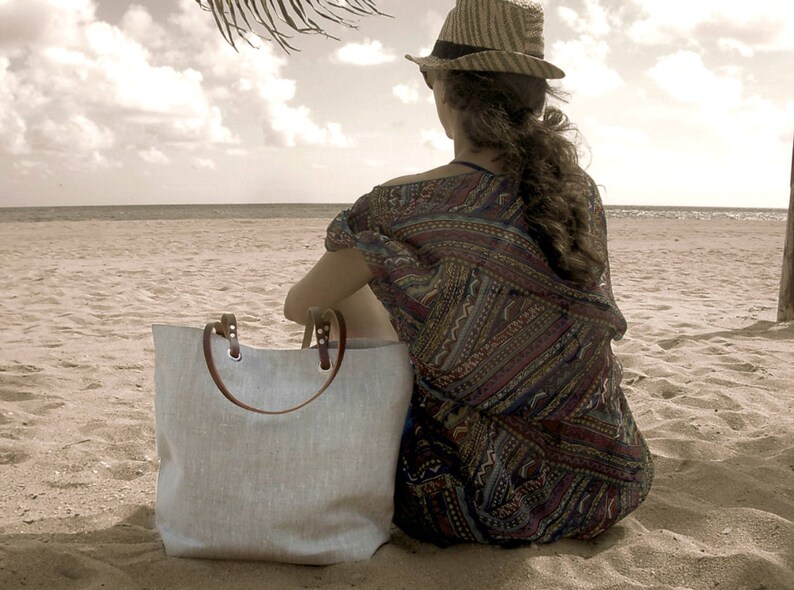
pixel 314 486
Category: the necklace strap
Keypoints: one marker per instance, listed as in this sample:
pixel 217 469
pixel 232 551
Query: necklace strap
pixel 470 165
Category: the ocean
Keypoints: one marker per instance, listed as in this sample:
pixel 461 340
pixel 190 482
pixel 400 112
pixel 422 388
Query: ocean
pixel 328 211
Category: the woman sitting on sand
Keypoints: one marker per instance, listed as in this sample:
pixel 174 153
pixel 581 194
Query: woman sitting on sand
pixel 493 269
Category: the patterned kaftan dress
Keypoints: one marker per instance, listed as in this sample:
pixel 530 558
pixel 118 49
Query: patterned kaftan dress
pixel 518 428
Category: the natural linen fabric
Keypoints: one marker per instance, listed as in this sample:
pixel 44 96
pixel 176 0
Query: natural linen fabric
pixel 518 427
pixel 314 486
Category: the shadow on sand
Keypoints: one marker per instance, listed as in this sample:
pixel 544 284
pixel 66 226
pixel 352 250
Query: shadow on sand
pixel 130 555
pixel 760 330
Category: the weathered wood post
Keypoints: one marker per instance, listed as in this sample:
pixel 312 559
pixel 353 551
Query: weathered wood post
pixel 785 306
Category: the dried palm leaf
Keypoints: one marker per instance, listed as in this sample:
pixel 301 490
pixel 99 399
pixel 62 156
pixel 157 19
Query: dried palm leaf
pixel 239 18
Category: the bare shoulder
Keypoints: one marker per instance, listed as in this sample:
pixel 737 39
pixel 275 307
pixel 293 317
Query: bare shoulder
pixel 440 172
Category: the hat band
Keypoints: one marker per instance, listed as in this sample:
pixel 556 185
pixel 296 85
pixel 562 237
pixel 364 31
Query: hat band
pixel 450 50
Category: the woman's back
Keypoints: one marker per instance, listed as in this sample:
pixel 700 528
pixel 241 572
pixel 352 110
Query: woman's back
pixel 518 408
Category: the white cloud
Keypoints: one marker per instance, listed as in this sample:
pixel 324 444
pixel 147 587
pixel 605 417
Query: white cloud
pixel 296 127
pixel 123 66
pixel 78 84
pixel 193 23
pixel 72 80
pixel 368 53
pixel 685 77
pixel 717 101
pixel 593 21
pixel 153 156
pixel 203 164
pixel 437 140
pixel 201 129
pixel 407 94
pixel 138 24
pixel 29 23
pixel 735 45
pixel 761 25
pixel 586 71
pixel 75 134
pixel 12 125
pixel 255 76
pixel 432 23
pixel 96 161
pixel 569 16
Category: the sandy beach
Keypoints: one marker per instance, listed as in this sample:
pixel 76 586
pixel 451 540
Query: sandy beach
pixel 709 375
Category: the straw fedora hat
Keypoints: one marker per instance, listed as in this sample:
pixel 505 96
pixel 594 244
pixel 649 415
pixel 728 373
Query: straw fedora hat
pixel 492 36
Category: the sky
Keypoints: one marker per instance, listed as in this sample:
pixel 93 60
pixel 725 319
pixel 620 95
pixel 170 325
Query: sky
pixel 107 102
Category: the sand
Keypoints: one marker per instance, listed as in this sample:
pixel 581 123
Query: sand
pixel 709 375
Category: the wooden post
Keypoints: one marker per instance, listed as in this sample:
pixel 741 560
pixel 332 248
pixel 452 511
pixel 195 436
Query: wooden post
pixel 785 306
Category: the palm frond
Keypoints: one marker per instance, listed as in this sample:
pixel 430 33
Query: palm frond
pixel 236 19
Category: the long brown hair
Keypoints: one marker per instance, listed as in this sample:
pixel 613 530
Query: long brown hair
pixel 508 112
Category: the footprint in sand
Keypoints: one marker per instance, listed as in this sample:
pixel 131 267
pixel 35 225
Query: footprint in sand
pixel 128 470
pixel 19 382
pixel 670 343
pixel 661 387
pixel 740 366
pixel 122 456
pixel 69 365
pixel 12 456
pixel 8 393
pixel 20 368
pixel 22 384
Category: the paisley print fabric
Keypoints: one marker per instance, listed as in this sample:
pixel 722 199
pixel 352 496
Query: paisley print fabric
pixel 518 429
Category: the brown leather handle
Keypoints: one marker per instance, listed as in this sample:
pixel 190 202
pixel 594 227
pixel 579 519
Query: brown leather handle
pixel 227 328
pixel 317 323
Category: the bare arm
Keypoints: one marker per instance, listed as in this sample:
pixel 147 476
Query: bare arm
pixel 339 279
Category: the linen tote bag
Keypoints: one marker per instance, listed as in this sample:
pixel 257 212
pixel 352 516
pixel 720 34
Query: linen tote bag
pixel 279 455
